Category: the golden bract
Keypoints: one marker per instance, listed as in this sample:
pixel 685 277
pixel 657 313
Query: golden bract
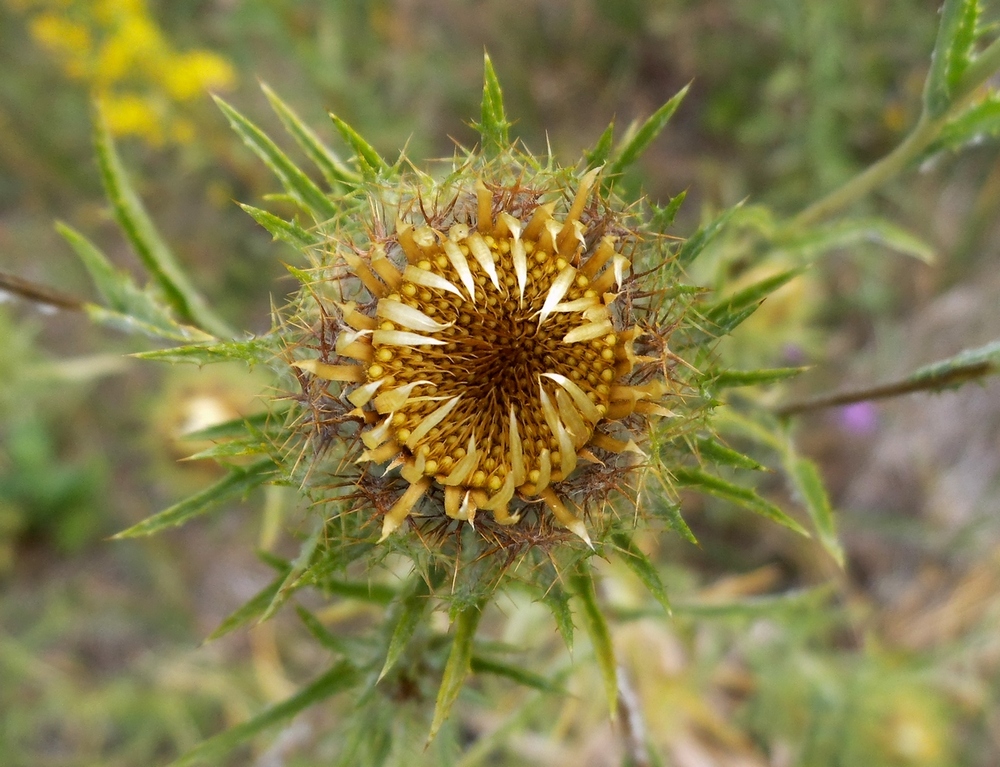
pixel 490 353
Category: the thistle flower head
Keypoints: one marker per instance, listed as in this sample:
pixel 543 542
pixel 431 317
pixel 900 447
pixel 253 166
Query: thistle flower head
pixel 488 344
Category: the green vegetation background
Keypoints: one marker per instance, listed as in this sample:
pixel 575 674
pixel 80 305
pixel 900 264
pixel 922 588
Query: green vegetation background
pixel 102 659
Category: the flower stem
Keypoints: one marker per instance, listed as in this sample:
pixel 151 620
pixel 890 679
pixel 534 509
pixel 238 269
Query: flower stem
pixel 924 133
pixel 950 378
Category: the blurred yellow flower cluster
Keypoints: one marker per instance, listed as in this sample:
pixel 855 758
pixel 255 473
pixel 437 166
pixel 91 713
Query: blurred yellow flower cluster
pixel 145 86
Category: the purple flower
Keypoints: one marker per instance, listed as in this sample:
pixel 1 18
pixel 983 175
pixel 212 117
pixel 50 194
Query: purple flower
pixel 859 418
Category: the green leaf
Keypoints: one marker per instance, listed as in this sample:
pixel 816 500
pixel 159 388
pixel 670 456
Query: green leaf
pixel 637 143
pixel 806 479
pixel 153 328
pixel 742 496
pixel 493 127
pixel 286 231
pixel 458 666
pixel 240 448
pixel 713 451
pixel 733 378
pixel 848 233
pixel 728 313
pixel 671 513
pixel 978 122
pixel 336 173
pixel 117 289
pixel 954 371
pixel 481 665
pixel 251 351
pixel 663 218
pixel 294 577
pixel 239 482
pixel 599 153
pixel 369 161
pixel 952 54
pixel 639 563
pixel 149 246
pixel 254 608
pixel 729 421
pixel 582 582
pixel 320 632
pixel 277 563
pixel 697 242
pixel 297 184
pixel 407 616
pixel 341 677
pixel 236 428
pixel 365 591
pixel 557 600
pixel 666 508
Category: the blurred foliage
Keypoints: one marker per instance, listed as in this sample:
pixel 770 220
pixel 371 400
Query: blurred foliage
pixel 116 49
pixel 757 666
pixel 50 484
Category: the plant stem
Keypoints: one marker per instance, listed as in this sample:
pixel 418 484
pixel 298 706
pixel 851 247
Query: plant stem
pixel 954 377
pixel 39 293
pixel 922 136
pixel 871 178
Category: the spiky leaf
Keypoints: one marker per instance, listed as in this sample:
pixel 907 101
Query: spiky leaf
pixel 557 600
pixel 713 451
pixel 251 609
pixel 637 143
pixel 280 229
pixel 666 507
pixel 729 491
pixel 697 242
pixel 146 241
pixel 979 122
pixel 336 173
pixel 969 365
pixel 663 218
pixel 493 126
pixel 251 351
pixel 239 482
pixel 320 632
pixel 639 563
pixel 483 665
pixel 849 233
pixel 808 484
pixel 153 328
pixel 341 677
pixel 297 184
pixel 369 161
pixel 732 378
pixel 728 313
pixel 952 54
pixel 459 663
pixel 953 371
pixel 582 582
pixel 406 617
pixel 599 153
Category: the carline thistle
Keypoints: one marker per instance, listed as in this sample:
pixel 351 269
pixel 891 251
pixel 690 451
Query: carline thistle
pixel 496 347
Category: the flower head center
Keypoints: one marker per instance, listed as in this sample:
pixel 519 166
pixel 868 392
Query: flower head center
pixel 494 359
